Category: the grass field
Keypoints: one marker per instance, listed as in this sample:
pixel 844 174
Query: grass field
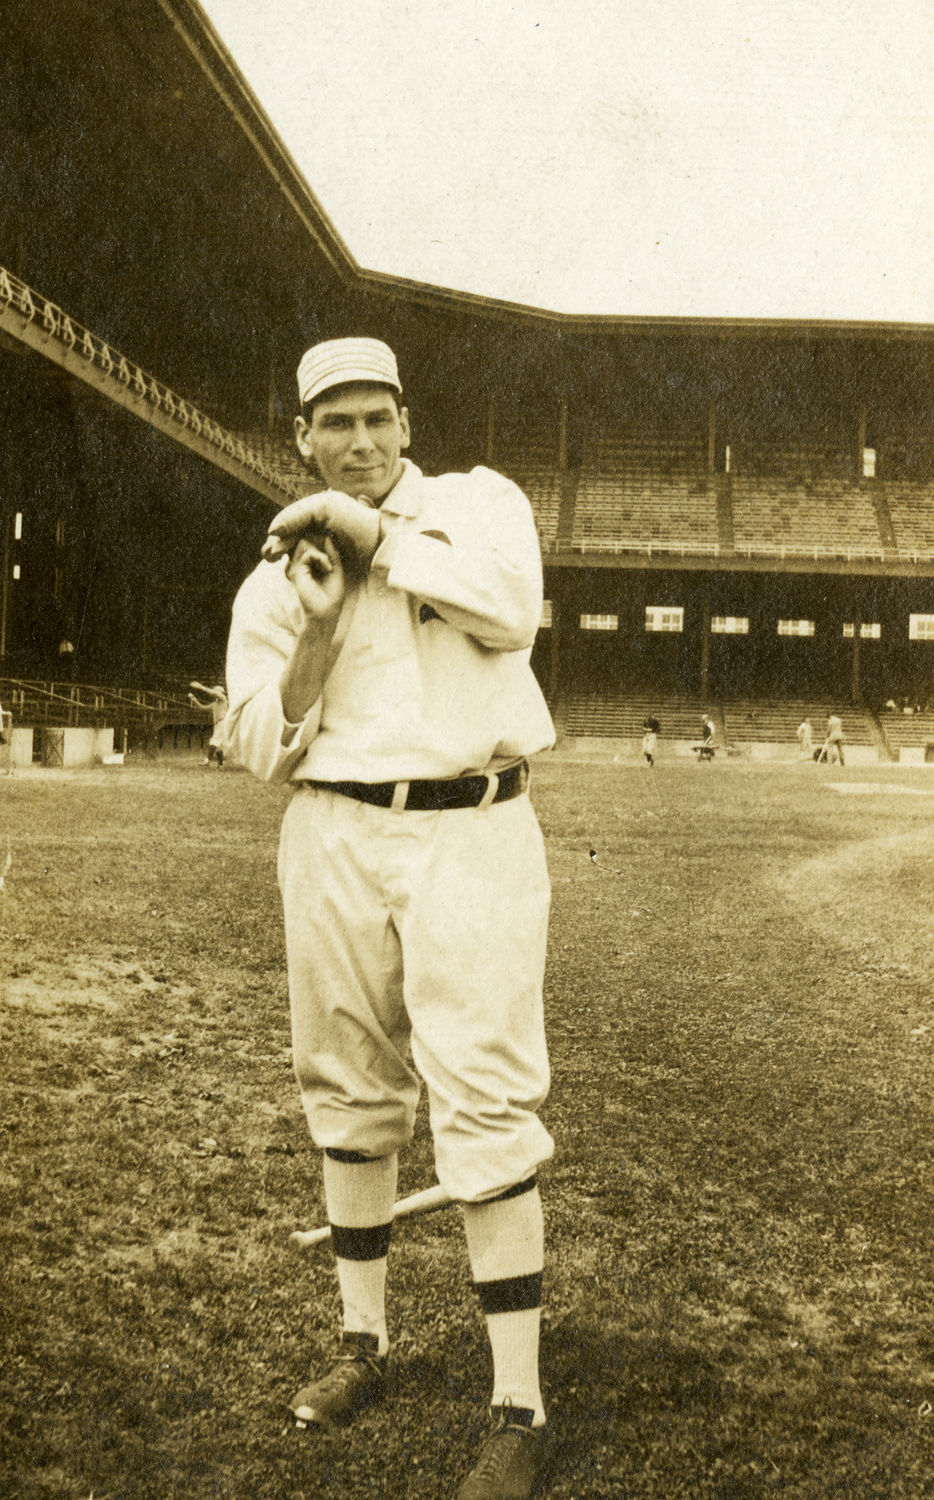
pixel 739 1213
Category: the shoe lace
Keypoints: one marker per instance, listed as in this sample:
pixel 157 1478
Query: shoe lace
pixel 506 1434
pixel 346 1368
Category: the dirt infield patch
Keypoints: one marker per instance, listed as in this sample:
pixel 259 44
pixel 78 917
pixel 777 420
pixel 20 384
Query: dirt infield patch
pixel 877 788
pixel 871 895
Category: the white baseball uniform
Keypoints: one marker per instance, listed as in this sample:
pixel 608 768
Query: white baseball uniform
pixel 414 936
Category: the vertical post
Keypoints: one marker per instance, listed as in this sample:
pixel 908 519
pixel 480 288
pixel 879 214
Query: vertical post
pixel 6 520
pixel 854 686
pixel 705 647
pixel 563 434
pixel 712 437
pixel 860 442
pixel 271 398
pixel 556 616
pixel 147 588
pixel 490 427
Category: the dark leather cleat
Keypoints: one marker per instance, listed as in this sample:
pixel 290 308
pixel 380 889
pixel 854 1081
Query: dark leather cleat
pixel 513 1461
pixel 355 1381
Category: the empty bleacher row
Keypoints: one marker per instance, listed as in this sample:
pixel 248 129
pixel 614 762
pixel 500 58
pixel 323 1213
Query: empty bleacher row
pixel 911 508
pixel 282 457
pixel 739 722
pixel 775 722
pixel 801 462
pixel 609 715
pixel 822 517
pixel 644 491
pixel 534 468
pixel 904 731
pixel 42 703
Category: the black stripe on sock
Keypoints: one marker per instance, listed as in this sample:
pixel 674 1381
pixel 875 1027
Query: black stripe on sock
pixel 351 1158
pixel 361 1244
pixel 516 1191
pixel 512 1294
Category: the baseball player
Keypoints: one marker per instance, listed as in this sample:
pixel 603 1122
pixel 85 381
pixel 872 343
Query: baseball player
pixel 216 705
pixel 833 745
pixel 650 732
pixel 379 661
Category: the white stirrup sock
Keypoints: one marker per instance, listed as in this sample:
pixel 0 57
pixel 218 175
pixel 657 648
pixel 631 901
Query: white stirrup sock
pixel 360 1197
pixel 506 1245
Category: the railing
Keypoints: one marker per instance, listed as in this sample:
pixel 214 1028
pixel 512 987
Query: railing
pixel 76 702
pixel 38 312
pixel 817 551
pixel 645 548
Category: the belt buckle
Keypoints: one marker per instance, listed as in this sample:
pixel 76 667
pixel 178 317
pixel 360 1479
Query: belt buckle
pixel 400 796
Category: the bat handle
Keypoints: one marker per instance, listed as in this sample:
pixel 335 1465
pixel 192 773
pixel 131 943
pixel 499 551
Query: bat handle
pixel 305 1238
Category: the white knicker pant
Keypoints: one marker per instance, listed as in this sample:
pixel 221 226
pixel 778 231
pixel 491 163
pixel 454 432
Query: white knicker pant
pixel 419 937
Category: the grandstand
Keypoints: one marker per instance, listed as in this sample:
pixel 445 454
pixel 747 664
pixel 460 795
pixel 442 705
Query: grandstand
pixel 735 515
pixel 812 518
pixel 640 490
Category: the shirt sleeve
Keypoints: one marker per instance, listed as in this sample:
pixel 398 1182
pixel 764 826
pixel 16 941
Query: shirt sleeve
pixel 263 632
pixel 474 557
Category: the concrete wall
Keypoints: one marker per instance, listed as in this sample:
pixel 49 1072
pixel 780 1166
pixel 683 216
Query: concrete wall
pixel 69 747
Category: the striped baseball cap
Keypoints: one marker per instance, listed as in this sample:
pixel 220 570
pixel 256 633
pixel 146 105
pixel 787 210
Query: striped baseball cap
pixel 343 361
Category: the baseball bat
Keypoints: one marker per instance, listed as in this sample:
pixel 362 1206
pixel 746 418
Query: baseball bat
pixel 425 1202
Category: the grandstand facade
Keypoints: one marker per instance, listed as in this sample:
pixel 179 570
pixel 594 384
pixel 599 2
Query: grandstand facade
pixel 728 512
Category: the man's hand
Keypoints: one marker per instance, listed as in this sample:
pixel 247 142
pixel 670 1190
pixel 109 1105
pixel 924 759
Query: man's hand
pixel 316 572
pixel 354 525
pixel 317 575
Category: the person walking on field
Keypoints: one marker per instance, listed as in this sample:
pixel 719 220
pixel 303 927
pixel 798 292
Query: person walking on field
pixel 650 732
pixel 803 734
pixel 379 662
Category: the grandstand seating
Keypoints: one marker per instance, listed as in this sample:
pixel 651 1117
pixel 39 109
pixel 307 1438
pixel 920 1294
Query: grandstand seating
pixel 533 466
pixel 620 715
pixel 738 722
pixel 636 493
pixel 802 462
pixel 80 704
pixel 911 507
pixel 281 457
pixel 775 721
pixel 820 518
pixel 907 731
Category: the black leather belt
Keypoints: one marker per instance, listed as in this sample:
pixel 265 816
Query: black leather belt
pixel 433 796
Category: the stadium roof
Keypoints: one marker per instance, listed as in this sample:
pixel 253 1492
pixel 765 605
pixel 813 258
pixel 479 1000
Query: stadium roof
pixel 750 164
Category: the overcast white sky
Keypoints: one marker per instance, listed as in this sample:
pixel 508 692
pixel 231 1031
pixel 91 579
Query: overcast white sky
pixel 773 158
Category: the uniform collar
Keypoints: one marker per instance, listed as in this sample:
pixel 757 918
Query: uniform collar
pixel 404 499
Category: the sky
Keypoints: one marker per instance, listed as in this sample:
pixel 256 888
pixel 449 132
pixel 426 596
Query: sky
pixel 661 158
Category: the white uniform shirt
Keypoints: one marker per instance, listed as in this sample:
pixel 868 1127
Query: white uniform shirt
pixel 432 678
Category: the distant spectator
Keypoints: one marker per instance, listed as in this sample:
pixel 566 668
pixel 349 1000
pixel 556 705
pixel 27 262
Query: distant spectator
pixel 704 749
pixel 833 745
pixel 650 732
pixel 217 705
pixel 805 739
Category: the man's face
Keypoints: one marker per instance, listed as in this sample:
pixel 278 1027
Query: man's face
pixel 355 437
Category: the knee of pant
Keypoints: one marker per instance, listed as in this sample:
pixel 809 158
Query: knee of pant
pixel 473 1171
